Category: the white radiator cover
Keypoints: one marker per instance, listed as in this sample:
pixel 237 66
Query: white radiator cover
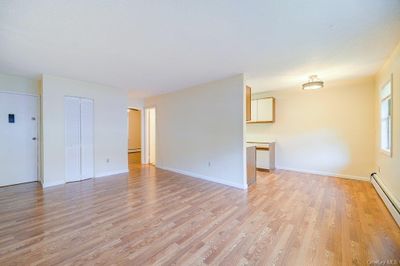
pixel 391 203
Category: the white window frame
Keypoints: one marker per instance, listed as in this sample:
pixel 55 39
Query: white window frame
pixel 382 98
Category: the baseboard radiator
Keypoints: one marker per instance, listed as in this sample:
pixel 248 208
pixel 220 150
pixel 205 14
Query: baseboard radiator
pixel 390 203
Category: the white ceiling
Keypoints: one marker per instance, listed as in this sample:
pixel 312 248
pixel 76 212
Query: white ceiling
pixel 152 47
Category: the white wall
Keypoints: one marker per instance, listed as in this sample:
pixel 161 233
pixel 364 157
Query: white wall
pixel 10 83
pixel 111 133
pixel 203 124
pixel 388 168
pixel 134 102
pixel 329 131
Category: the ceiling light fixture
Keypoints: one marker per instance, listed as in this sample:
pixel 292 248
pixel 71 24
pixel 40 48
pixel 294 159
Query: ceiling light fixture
pixel 313 83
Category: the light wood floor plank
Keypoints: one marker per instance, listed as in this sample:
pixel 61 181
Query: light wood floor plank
pixel 156 217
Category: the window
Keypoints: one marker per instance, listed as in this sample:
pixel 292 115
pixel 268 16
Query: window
pixel 386 118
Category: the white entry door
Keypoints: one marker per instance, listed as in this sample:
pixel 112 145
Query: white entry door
pixel 79 136
pixel 18 138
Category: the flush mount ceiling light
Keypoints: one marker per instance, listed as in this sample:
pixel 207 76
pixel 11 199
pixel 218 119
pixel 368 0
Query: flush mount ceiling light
pixel 313 83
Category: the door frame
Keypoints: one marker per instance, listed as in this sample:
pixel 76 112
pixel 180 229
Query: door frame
pixel 142 143
pixel 147 135
pixel 38 130
pixel 142 131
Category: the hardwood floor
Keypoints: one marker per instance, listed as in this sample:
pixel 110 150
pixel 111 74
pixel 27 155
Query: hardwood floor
pixel 154 216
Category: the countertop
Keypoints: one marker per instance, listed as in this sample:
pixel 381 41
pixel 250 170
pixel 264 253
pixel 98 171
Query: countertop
pixel 261 145
pixel 260 142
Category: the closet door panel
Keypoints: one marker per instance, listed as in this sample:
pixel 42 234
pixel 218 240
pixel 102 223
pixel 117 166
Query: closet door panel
pixel 87 138
pixel 72 139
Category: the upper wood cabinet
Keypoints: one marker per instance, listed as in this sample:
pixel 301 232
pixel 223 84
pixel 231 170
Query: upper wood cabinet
pixel 248 103
pixel 263 110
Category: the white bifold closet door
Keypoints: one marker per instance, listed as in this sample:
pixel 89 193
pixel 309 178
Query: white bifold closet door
pixel 72 138
pixel 79 147
pixel 87 137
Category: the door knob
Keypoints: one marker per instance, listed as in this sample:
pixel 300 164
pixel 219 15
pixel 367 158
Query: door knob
pixel 33 138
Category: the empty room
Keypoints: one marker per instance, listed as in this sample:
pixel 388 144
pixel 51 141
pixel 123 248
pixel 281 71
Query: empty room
pixel 200 132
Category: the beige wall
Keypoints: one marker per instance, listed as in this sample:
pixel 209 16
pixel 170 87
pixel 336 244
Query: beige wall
pixel 329 131
pixel 11 83
pixel 389 167
pixel 111 137
pixel 201 125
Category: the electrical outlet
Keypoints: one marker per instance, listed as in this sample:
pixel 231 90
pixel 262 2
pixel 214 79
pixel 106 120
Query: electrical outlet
pixel 108 160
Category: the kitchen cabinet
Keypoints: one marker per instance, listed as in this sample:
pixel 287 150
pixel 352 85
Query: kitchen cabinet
pixel 263 110
pixel 265 155
pixel 262 158
pixel 248 103
pixel 253 110
pixel 251 164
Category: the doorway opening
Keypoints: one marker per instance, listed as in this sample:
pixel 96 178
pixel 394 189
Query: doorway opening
pixel 150 143
pixel 134 136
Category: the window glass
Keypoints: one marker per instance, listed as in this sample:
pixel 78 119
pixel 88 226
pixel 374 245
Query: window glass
pixel 386 118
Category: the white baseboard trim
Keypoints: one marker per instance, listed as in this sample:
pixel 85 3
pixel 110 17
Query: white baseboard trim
pixel 101 174
pixel 204 177
pixel 362 178
pixel 112 172
pixel 384 193
pixel 52 183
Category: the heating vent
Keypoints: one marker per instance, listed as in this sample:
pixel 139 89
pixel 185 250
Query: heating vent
pixel 389 201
